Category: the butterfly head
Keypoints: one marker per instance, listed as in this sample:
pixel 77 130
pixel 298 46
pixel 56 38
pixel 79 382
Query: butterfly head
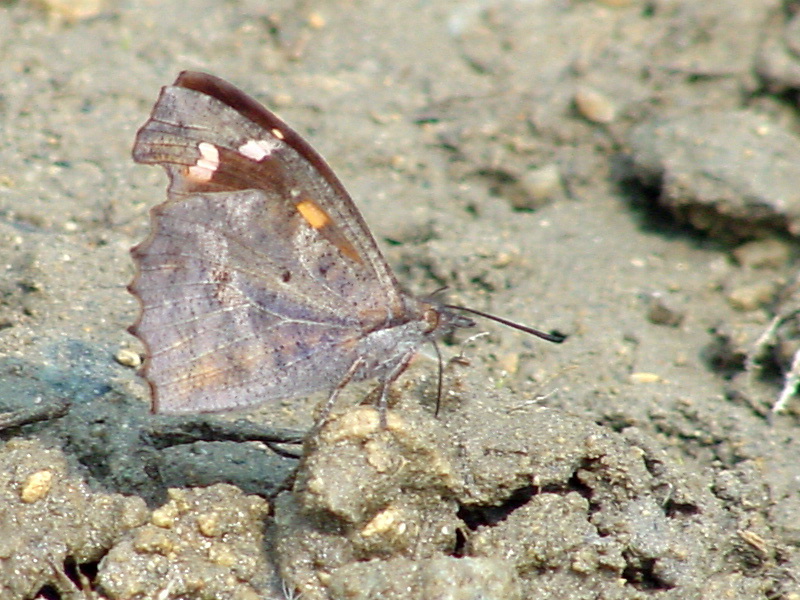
pixel 441 320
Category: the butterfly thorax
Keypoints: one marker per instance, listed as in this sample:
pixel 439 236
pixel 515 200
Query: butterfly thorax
pixel 386 347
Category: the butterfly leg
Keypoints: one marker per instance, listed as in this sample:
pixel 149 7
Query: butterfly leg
pixel 387 382
pixel 326 410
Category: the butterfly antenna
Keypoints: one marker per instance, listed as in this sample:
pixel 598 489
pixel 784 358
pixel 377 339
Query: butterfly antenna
pixel 554 337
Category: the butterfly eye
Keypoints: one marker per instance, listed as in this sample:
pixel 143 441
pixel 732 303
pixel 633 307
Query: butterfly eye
pixel 431 317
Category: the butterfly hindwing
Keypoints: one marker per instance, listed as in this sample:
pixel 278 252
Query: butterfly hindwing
pixel 227 324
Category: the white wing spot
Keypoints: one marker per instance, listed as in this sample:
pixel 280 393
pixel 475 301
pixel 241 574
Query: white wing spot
pixel 278 134
pixel 207 164
pixel 259 149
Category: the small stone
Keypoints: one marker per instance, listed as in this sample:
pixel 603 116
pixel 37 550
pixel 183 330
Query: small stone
pixel 71 11
pixel 164 516
pixel 644 377
pixel 539 186
pixel 387 521
pixel 208 524
pixel 37 486
pixel 316 21
pixel 660 313
pixel 767 253
pixel 128 358
pixel 595 106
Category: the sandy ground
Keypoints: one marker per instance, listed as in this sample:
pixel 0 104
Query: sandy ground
pixel 623 172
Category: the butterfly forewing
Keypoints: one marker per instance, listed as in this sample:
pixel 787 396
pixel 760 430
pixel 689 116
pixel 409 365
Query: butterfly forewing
pixel 211 137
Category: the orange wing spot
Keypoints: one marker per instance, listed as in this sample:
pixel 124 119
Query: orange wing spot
pixel 312 213
pixel 321 221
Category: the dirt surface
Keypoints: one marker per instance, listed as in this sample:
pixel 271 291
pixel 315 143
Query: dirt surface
pixel 623 172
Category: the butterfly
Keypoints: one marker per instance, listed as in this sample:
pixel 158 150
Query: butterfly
pixel 259 279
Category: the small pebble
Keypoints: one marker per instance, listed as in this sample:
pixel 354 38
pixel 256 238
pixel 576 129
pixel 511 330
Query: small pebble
pixel 128 358
pixel 767 253
pixel 595 106
pixel 316 21
pixel 539 186
pixel 644 377
pixel 164 516
pixel 660 313
pixel 37 486
pixel 72 11
pixel 208 524
pixel 388 521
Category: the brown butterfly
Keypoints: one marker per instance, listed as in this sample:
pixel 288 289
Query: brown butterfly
pixel 260 279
